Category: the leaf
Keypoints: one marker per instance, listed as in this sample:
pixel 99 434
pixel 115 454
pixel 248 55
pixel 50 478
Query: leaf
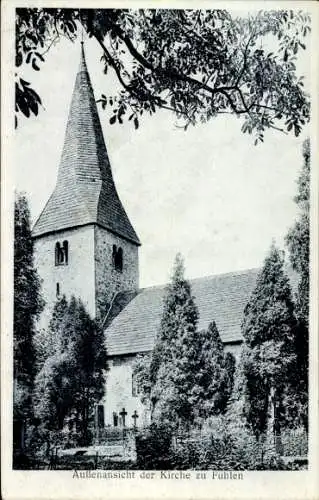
pixel 34 65
pixel 22 103
pixel 136 124
pixel 40 56
pixel 113 119
pixel 33 106
pixel 29 57
pixel 297 130
pixel 34 94
pixel 24 83
pixel 71 27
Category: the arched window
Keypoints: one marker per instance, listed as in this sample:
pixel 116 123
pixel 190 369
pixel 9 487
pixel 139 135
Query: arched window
pixel 66 252
pixel 57 253
pixel 61 254
pixel 117 258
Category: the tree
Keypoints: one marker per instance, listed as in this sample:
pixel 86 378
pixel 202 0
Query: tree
pixel 298 238
pixel 187 377
pixel 268 357
pixel 27 305
pixel 195 63
pixel 215 373
pixel 298 242
pixel 174 360
pixel 71 379
pixel 48 342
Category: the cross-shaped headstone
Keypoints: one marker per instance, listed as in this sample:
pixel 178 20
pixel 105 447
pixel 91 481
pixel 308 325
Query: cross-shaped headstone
pixel 123 414
pixel 135 417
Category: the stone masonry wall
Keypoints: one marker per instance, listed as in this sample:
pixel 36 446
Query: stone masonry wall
pixel 76 278
pixel 108 280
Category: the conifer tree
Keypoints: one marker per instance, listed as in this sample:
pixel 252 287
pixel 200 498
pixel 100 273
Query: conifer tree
pixel 174 360
pixel 268 355
pixel 28 304
pixel 215 373
pixel 188 376
pixel 298 242
pixel 71 380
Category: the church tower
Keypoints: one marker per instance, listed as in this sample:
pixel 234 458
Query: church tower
pixel 84 242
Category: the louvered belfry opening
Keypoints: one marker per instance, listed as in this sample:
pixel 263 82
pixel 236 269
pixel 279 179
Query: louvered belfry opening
pixel 85 191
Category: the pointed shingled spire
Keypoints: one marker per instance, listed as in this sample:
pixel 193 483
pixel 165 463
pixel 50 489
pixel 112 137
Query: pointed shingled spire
pixel 85 191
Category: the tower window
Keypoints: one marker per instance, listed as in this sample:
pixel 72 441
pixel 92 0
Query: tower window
pixel 58 290
pixel 62 253
pixel 66 251
pixel 117 258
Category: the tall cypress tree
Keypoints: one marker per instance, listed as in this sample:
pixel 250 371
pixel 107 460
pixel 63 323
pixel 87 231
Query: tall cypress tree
pixel 189 376
pixel 27 304
pixel 215 374
pixel 269 354
pixel 298 242
pixel 174 361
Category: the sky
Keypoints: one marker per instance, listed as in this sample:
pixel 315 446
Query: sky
pixel 207 192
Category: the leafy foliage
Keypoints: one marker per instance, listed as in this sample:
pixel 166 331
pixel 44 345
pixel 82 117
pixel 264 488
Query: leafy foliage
pixel 223 444
pixel 175 355
pixel 141 371
pixel 298 237
pixel 298 242
pixel 188 376
pixel 215 374
pixel 71 378
pixel 28 304
pixel 36 31
pixel 196 63
pixel 153 447
pixel 268 354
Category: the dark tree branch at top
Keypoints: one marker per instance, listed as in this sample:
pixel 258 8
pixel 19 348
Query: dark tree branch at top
pixel 204 62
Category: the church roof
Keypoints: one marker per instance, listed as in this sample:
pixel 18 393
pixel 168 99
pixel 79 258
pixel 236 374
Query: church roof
pixel 220 298
pixel 85 191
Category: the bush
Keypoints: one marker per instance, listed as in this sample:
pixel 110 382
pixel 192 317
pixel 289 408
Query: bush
pixel 153 447
pixel 295 442
pixel 223 443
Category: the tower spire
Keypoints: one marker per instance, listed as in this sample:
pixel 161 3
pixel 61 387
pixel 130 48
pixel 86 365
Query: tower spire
pixel 85 191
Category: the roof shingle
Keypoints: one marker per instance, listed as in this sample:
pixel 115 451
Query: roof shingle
pixel 220 298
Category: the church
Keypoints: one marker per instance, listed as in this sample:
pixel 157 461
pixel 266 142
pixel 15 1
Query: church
pixel 85 245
